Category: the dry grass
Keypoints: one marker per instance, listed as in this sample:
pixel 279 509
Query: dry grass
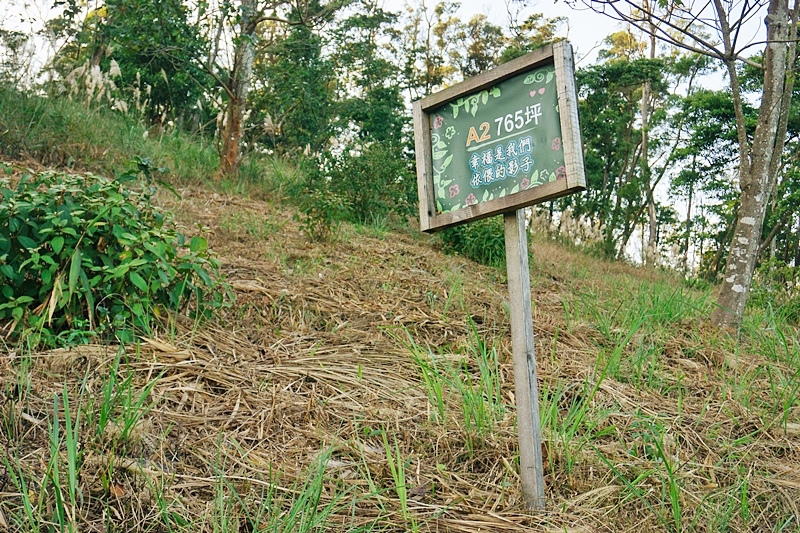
pixel 307 367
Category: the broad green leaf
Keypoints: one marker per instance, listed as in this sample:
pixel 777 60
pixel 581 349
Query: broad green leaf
pixel 120 270
pixel 198 244
pixel 74 270
pixel 438 155
pixel 57 243
pixel 203 275
pixel 27 242
pixel 137 280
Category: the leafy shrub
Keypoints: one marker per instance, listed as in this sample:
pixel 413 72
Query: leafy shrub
pixel 83 255
pixel 321 211
pixel 482 241
pixel 777 285
pixel 372 182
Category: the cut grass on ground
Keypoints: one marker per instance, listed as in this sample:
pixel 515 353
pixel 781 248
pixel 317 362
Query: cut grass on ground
pixel 365 385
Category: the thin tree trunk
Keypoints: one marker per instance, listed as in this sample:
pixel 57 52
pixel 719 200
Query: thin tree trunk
pixel 755 177
pixel 239 86
pixel 652 242
pixel 687 241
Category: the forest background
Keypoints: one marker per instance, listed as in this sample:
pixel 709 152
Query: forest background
pixel 328 87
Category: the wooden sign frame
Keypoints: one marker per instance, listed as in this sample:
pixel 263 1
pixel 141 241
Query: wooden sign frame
pixel 558 54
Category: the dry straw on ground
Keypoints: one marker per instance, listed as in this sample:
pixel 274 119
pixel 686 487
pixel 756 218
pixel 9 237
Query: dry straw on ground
pixel 309 365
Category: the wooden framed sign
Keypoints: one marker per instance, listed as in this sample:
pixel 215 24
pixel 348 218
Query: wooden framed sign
pixel 500 141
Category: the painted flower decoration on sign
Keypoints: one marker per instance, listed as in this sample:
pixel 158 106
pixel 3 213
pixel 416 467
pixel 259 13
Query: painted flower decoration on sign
pixel 561 172
pixel 556 144
pixel 524 184
pixel 449 132
pixel 454 190
pixel 471 200
pixel 437 122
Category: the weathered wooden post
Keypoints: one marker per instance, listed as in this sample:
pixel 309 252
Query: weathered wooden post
pixel 496 143
pixel 526 390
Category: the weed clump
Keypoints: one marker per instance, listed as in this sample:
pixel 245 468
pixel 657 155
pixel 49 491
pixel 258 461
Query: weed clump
pixel 84 256
pixel 482 241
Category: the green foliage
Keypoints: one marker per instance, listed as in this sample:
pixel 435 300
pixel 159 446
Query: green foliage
pixel 776 285
pixel 83 255
pixel 155 46
pixel 372 182
pixel 292 99
pixel 321 212
pixel 536 31
pixel 482 241
pixel 610 101
pixel 370 100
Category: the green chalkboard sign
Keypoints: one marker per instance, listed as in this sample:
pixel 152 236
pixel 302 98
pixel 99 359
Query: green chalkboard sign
pixel 499 141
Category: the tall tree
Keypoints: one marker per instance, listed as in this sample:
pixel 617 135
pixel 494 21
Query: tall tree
pixel 236 79
pixel 292 97
pixel 152 43
pixel 429 40
pixel 759 149
pixel 237 86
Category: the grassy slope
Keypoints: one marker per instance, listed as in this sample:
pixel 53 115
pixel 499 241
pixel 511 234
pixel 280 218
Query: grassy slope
pixel 60 133
pixel 296 410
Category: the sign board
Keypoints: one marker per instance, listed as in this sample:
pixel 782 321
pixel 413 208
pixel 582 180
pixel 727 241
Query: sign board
pixel 496 143
pixel 499 141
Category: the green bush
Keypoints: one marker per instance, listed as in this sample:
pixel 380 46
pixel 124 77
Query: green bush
pixel 83 255
pixel 371 183
pixel 482 241
pixel 777 285
pixel 321 211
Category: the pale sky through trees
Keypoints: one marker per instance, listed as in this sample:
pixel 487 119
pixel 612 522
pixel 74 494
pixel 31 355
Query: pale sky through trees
pixel 585 28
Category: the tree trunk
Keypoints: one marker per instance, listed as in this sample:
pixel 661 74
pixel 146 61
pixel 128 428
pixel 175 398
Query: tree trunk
pixel 238 87
pixel 652 241
pixel 755 178
pixel 687 240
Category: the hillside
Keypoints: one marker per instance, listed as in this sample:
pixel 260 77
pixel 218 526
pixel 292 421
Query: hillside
pixel 365 385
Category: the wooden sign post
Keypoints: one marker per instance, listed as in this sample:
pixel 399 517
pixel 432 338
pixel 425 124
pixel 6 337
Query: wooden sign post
pixel 497 143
